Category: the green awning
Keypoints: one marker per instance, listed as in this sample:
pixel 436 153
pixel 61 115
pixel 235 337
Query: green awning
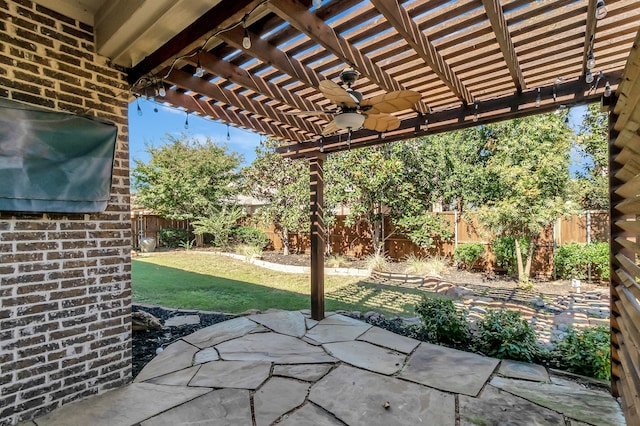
pixel 53 161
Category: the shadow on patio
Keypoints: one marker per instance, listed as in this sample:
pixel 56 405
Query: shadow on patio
pixel 286 368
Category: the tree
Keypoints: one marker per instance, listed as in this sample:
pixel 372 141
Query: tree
pixel 284 184
pixel 186 178
pixel 591 188
pixel 526 177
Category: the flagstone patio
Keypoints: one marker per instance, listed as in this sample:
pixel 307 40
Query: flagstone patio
pixel 285 368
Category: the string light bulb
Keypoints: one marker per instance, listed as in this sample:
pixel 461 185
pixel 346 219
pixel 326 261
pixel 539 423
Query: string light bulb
pixel 601 9
pixel 475 115
pixel 588 77
pixel 607 90
pixel 186 122
pixel 228 135
pixel 161 90
pixel 246 40
pixel 138 108
pixel 199 70
pixel 591 60
pixel 538 99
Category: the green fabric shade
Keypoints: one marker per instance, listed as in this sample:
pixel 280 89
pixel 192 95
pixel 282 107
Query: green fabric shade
pixel 54 162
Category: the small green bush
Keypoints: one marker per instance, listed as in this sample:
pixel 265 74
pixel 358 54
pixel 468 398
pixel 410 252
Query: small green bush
pixel 572 260
pixel 250 236
pixel 504 248
pixel 172 237
pixel 504 334
pixel 442 322
pixel 467 254
pixel 586 351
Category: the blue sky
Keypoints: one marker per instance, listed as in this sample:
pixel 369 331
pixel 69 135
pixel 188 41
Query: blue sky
pixel 151 128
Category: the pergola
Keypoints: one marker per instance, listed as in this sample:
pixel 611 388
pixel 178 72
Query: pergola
pixel 257 64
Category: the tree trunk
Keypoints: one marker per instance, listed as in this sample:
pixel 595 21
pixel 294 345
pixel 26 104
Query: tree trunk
pixel 285 241
pixel 375 232
pixel 521 274
pixel 530 252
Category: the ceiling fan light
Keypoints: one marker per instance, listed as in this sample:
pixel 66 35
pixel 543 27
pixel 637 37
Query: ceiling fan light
pixel 349 120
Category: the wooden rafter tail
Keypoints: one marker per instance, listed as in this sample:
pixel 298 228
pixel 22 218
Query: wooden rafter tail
pixel 298 16
pixel 187 81
pixel 419 42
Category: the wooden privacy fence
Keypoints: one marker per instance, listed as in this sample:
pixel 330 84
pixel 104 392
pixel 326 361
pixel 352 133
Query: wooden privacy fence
pixel 356 241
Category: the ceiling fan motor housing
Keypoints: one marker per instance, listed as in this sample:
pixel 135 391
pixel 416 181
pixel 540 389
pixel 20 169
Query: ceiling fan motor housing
pixel 349 76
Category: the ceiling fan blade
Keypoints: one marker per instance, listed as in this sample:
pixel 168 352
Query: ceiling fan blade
pixel 332 127
pixel 381 122
pixel 337 94
pixel 390 102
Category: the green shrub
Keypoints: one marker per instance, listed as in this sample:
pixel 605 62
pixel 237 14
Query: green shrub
pixel 504 334
pixel 220 224
pixel 504 249
pixel 251 236
pixel 442 322
pixel 467 254
pixel 172 237
pixel 424 229
pixel 586 351
pixel 572 260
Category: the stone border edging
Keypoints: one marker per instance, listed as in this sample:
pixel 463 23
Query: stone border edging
pixel 293 269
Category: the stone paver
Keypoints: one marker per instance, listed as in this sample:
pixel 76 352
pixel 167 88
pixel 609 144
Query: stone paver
pixel 232 374
pixel 367 356
pixel 352 395
pixel 449 369
pixel 390 340
pixel 586 405
pixel 277 397
pixel 306 372
pixel 217 408
pixel 310 415
pixel 496 407
pixel 206 355
pixel 221 332
pixel 178 378
pixel 285 322
pixel 282 367
pixel 523 370
pixel 182 320
pixel 272 347
pixel 175 357
pixel 126 406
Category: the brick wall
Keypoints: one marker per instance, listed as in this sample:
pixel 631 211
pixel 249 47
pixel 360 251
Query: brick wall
pixel 64 280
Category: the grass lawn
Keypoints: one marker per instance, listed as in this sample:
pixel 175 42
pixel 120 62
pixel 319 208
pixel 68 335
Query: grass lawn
pixel 205 281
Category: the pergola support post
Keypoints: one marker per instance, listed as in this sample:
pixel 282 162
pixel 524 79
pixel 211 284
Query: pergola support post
pixel 318 235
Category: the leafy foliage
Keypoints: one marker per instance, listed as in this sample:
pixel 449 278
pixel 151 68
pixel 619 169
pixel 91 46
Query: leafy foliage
pixel 586 351
pixel 504 249
pixel 441 321
pixel 467 254
pixel 571 260
pixel 424 229
pixel 526 176
pixel 220 223
pixel 250 236
pixel 504 334
pixel 283 184
pixel 186 178
pixel 172 237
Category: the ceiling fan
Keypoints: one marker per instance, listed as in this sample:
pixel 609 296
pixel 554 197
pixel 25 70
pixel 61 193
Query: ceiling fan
pixel 353 112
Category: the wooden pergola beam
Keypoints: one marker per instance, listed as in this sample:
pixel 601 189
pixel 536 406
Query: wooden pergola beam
pixel 240 76
pixel 572 92
pixel 270 54
pixel 297 15
pixel 409 30
pixel 218 17
pixel 206 108
pixel 501 30
pixel 203 87
pixel 589 32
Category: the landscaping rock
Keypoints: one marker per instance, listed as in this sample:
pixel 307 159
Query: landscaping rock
pixel 144 321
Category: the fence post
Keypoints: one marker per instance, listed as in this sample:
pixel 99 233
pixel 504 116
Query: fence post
pixel 589 242
pixel 455 229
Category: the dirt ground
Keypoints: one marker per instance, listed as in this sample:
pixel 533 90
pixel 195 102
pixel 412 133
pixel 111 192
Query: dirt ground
pixel 543 285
